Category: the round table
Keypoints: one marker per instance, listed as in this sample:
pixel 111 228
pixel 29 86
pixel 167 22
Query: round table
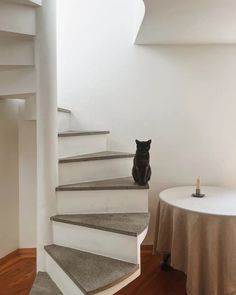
pixel 200 235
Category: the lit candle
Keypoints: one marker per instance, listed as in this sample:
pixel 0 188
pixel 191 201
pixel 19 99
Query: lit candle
pixel 198 184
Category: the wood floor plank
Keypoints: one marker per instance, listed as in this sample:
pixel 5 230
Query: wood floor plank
pixel 17 278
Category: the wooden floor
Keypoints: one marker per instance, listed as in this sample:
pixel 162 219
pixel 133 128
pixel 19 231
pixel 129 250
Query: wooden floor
pixel 16 278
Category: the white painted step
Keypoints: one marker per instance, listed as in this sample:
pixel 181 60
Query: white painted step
pixel 13 34
pixel 81 273
pixel 17 18
pixel 72 143
pixel 103 234
pixel 119 195
pixel 17 81
pixel 63 119
pixel 15 67
pixel 97 166
pixel 18 95
pixel 16 50
pixel 33 3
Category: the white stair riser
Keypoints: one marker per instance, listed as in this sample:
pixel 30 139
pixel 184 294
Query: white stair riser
pixel 77 145
pixel 75 172
pixel 17 18
pixel 105 243
pixel 63 121
pixel 107 201
pixel 16 51
pixel 68 287
pixel 17 81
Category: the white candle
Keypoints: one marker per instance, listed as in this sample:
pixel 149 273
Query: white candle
pixel 198 183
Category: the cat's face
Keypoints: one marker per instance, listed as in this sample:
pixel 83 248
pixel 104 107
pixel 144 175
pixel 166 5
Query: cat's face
pixel 143 146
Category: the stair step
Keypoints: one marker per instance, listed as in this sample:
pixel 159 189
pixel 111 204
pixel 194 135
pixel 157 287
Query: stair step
pixel 91 273
pixel 130 224
pixel 17 95
pixel 15 67
pixel 106 155
pixel 43 285
pixel 34 3
pixel 94 166
pixel 63 110
pixel 81 133
pixel 125 183
pixel 15 34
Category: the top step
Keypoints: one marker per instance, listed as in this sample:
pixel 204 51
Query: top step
pixel 43 285
pixel 89 272
pixel 63 110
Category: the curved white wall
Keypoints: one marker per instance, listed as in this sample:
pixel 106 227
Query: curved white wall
pixel 183 97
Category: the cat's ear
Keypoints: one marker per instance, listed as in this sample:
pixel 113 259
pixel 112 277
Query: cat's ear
pixel 137 142
pixel 149 141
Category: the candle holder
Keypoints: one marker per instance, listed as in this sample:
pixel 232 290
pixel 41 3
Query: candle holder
pixel 198 194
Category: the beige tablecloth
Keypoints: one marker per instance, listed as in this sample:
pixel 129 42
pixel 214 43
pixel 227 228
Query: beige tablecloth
pixel 201 245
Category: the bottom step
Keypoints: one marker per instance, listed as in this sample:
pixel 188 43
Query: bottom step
pixel 43 285
pixel 77 272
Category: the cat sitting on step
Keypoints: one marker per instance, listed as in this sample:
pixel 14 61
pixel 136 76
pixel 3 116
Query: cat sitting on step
pixel 142 170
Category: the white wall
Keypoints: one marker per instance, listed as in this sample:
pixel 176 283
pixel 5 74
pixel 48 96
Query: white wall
pixel 182 97
pixel 9 196
pixel 27 183
pixel 46 125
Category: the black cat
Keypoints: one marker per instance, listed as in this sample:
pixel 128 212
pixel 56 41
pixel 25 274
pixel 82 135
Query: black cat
pixel 142 170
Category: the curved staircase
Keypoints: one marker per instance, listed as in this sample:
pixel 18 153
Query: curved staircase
pixel 102 217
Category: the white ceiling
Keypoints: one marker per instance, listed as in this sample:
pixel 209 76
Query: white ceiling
pixel 188 22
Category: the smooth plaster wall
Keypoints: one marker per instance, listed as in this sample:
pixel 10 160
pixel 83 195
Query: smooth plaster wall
pixel 9 182
pixel 27 183
pixel 182 97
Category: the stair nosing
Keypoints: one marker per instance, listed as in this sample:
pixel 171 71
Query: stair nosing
pixel 81 133
pixel 78 284
pixel 102 187
pixel 89 157
pixel 58 218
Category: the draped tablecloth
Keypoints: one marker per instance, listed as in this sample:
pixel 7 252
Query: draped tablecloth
pixel 200 235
